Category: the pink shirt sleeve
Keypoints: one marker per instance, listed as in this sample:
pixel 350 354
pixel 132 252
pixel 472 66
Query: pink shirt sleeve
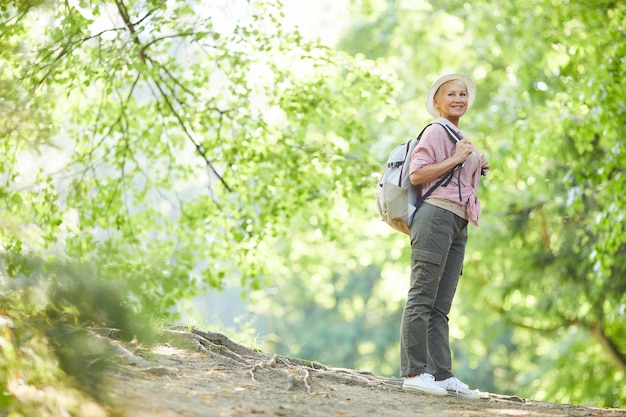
pixel 434 146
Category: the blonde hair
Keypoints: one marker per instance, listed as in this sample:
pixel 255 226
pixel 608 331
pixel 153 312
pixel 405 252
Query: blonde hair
pixel 456 82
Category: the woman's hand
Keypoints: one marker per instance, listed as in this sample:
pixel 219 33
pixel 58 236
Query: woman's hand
pixel 462 150
pixel 482 161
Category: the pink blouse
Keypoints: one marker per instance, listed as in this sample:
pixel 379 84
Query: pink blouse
pixel 435 146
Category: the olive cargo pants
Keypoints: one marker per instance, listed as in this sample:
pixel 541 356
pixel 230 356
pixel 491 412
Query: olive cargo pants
pixel 438 239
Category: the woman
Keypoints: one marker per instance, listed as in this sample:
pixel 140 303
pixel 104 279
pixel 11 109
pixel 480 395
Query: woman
pixel 438 238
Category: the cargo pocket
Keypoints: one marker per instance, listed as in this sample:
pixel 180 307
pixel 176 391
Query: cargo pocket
pixel 423 255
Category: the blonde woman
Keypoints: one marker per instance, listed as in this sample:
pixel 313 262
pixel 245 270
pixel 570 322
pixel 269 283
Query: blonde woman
pixel 438 239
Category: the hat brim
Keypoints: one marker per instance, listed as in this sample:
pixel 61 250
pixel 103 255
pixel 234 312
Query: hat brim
pixel 469 84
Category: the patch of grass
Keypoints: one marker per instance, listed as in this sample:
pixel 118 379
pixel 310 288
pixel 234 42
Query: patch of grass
pixel 50 362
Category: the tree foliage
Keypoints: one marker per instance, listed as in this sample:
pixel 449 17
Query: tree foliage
pixel 195 132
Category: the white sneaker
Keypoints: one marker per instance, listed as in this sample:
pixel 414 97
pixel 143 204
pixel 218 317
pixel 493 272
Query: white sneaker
pixel 424 383
pixel 454 386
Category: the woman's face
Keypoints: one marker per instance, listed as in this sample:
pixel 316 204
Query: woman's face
pixel 451 100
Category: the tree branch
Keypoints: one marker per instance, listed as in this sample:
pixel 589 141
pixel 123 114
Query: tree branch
pixel 617 357
pixel 199 148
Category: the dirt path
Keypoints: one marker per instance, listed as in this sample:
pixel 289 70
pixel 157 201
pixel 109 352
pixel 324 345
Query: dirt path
pixel 207 375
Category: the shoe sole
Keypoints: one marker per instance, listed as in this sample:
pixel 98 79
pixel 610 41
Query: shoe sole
pixel 474 396
pixel 425 390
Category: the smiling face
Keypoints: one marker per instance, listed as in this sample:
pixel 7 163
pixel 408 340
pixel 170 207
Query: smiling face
pixel 451 100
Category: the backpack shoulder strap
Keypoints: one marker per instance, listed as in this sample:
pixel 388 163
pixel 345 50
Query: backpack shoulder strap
pixel 448 176
pixel 424 129
pixel 451 133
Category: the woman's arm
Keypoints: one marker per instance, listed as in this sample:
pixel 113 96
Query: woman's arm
pixel 430 172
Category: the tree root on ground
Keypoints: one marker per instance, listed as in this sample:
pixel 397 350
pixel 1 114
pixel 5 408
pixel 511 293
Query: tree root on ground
pixel 223 348
pixel 115 348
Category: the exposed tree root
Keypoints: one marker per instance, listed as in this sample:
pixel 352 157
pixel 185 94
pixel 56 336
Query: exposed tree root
pixel 107 337
pixel 220 346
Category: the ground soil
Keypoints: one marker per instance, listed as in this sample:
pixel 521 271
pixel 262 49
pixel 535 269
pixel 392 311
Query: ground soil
pixel 202 374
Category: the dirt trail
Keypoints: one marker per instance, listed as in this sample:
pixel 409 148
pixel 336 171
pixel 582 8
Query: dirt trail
pixel 203 374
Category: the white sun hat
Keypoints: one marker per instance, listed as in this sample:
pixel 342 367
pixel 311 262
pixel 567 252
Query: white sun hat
pixel 469 84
